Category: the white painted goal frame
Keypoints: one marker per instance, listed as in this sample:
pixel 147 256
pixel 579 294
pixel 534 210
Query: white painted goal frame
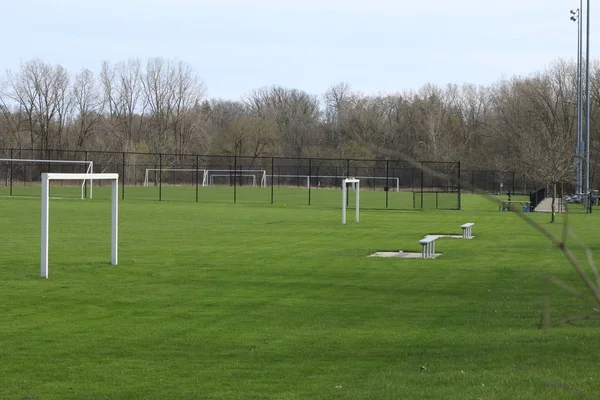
pixel 307 177
pixel 238 172
pixel 148 170
pixel 212 183
pixel 46 178
pixel 89 169
pixel 356 185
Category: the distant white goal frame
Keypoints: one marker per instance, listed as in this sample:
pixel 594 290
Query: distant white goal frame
pixel 356 186
pixel 89 169
pixel 309 177
pixel 46 179
pixel 211 180
pixel 148 170
pixel 235 173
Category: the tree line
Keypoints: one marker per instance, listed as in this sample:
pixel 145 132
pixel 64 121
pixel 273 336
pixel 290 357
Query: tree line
pixel 523 123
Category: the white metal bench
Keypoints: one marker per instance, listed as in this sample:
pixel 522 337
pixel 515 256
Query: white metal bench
pixel 428 246
pixel 466 230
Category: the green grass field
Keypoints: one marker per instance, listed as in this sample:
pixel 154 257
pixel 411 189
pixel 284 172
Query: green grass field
pixel 215 300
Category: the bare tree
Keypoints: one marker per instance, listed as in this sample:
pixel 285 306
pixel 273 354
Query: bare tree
pixel 86 107
pixel 12 121
pixel 171 91
pixel 548 149
pixel 248 136
pixel 187 93
pixel 122 103
pixel 295 112
pixel 431 110
pixel 41 91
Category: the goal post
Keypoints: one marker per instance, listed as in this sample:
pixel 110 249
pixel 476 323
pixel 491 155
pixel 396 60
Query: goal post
pixel 89 169
pixel 355 183
pixel 46 178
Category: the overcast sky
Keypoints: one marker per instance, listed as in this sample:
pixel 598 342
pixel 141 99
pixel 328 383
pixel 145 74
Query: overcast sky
pixel 237 46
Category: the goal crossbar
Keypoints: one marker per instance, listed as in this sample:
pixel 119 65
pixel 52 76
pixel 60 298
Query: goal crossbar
pixel 46 178
pixel 89 170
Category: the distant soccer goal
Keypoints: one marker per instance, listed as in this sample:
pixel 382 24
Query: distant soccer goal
pixel 14 169
pixel 258 177
pixel 228 178
pixel 287 179
pixel 46 179
pixel 155 173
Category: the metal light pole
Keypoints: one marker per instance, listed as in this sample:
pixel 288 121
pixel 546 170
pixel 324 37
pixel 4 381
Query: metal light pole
pixel 576 16
pixel 587 107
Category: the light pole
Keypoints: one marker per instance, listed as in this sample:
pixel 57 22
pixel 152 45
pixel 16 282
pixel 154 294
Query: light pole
pixel 587 105
pixel 576 16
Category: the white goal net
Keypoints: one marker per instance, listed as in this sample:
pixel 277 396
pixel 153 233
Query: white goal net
pixel 19 172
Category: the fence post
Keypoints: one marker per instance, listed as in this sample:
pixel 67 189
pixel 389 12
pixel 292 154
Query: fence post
pixel 234 179
pixel 123 180
pixel 272 179
pixel 513 181
pixel 159 176
pixel 387 182
pixel 85 187
pixel 309 176
pixel 11 172
pixel 459 188
pixel 348 168
pixel 422 177
pixel 197 166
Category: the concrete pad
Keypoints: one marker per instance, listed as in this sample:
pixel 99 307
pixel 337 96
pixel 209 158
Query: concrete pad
pixel 400 254
pixel 445 236
pixel 546 206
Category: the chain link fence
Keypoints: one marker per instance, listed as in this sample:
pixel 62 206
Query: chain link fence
pixel 389 184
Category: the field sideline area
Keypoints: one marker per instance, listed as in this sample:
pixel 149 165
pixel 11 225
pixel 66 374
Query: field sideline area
pixel 215 300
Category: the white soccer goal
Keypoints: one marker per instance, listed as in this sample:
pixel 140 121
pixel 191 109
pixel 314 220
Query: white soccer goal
pixel 213 176
pixel 46 178
pixel 355 184
pixel 287 177
pixel 89 169
pixel 175 170
pixel 260 175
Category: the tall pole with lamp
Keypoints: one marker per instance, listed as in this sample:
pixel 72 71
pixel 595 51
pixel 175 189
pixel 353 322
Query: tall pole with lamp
pixel 579 150
pixel 588 189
